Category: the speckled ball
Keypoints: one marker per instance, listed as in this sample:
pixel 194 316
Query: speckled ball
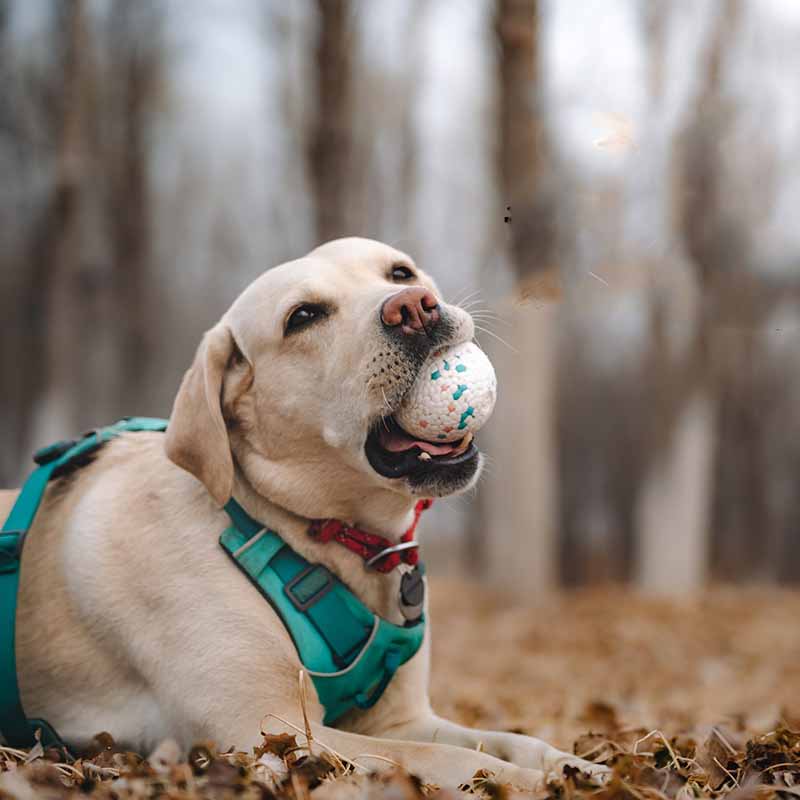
pixel 454 395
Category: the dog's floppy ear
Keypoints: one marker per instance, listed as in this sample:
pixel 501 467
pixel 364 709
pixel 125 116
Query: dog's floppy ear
pixel 197 437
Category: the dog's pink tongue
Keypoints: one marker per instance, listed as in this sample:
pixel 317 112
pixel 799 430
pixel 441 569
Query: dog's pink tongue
pixel 397 441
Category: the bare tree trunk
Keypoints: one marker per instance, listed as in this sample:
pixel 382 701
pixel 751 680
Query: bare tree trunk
pixel 655 18
pixel 675 508
pixel 134 34
pixel 520 491
pixel 330 141
pixel 676 501
pixel 14 404
pixel 740 545
pixel 523 157
pixel 58 244
pixel 714 243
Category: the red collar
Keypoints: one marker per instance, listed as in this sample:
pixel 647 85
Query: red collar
pixel 368 545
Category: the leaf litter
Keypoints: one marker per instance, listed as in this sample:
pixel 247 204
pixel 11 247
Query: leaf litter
pixel 683 699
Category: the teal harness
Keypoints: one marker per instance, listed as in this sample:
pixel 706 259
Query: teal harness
pixel 350 653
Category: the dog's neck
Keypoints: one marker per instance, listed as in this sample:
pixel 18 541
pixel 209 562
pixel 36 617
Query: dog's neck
pixel 376 513
pixel 381 512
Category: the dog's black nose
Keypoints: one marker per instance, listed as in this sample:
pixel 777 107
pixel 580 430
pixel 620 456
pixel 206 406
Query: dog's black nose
pixel 412 310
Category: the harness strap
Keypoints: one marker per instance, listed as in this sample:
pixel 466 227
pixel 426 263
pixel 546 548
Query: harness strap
pixel 16 728
pixel 350 653
pixel 15 725
pixel 309 588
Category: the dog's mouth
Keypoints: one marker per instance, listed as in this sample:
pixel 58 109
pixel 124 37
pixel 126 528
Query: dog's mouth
pixel 394 453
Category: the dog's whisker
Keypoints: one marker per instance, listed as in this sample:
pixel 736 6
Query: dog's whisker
pixel 464 297
pixel 472 297
pixel 478 310
pixel 457 295
pixel 386 401
pixel 489 472
pixel 492 316
pixel 488 321
pixel 499 338
pixel 485 323
pixel 486 312
pixel 475 303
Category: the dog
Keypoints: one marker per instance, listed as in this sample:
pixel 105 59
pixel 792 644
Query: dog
pixel 132 620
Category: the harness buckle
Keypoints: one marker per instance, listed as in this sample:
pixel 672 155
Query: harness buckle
pixel 309 586
pixel 11 550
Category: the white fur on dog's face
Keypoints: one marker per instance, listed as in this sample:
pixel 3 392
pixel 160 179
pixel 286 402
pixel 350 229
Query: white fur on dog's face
pixel 292 408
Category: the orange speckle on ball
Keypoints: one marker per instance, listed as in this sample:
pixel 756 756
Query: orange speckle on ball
pixel 423 423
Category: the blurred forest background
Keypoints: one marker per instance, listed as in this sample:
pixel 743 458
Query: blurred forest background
pixel 611 186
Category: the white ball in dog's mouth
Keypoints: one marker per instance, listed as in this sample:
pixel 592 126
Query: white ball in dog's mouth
pixel 453 396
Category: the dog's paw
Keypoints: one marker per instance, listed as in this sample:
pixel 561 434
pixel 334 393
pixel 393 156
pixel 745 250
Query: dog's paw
pixel 597 772
pixel 532 780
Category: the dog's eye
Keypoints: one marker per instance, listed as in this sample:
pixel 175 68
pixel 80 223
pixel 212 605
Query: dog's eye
pixel 303 316
pixel 400 273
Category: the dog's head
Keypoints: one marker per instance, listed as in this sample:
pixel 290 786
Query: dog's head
pixel 296 385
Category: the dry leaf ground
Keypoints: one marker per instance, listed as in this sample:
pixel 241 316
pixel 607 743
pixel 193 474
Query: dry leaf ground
pixel 683 698
pixel 731 655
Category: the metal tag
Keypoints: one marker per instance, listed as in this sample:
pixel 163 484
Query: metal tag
pixel 412 593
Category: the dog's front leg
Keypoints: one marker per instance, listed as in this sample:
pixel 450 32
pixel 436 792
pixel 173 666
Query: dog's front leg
pixel 434 763
pixel 524 751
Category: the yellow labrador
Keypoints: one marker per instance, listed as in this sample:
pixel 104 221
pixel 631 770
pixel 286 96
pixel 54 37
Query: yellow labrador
pixel 132 619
